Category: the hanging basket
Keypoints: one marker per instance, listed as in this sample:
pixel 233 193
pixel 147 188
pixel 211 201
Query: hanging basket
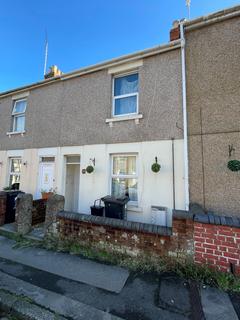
pixel 156 166
pixel 233 165
pixel 90 169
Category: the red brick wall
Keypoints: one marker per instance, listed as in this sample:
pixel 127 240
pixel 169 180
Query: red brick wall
pixel 3 199
pixel 39 211
pixel 217 246
pixel 178 246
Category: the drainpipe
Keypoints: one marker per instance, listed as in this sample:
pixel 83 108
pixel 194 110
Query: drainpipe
pixel 184 105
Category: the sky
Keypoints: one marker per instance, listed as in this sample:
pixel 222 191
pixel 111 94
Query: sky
pixel 82 33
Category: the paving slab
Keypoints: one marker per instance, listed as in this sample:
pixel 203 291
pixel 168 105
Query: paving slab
pixel 50 300
pixel 217 305
pixel 174 295
pixel 111 278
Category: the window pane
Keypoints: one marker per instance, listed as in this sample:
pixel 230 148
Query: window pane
pixel 47 159
pixel 19 123
pixel 122 187
pixel 126 84
pixel 16 165
pixel 20 106
pixel 73 159
pixel 124 165
pixel 125 105
pixel 14 181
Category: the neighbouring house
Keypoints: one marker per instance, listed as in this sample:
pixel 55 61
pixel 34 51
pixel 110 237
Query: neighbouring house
pixel 122 115
pixel 213 103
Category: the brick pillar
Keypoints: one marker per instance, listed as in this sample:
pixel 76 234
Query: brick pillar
pixel 55 203
pixel 3 201
pixel 24 204
pixel 182 233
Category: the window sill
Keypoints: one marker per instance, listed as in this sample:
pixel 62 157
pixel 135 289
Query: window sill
pixel 133 208
pixel 13 133
pixel 134 117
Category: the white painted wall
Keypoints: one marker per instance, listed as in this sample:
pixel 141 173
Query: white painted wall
pixel 153 188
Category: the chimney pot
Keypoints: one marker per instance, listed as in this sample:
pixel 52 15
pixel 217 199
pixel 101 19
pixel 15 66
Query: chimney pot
pixel 53 72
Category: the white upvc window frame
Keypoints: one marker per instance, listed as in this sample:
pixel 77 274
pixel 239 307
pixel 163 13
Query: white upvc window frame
pixel 18 114
pixel 12 173
pixel 124 95
pixel 125 176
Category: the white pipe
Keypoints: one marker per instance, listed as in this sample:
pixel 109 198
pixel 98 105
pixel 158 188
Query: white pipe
pixel 185 127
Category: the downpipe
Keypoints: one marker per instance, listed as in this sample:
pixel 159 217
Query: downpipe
pixel 185 126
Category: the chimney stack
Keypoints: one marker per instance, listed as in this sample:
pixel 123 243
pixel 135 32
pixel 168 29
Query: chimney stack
pixel 53 72
pixel 175 31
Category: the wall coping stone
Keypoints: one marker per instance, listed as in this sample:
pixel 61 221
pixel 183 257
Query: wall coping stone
pixel 182 214
pixel 117 223
pixel 211 218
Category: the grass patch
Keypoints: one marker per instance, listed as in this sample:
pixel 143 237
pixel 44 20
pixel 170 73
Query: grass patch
pixel 209 276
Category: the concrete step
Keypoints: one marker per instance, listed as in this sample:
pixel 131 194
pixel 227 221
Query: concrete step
pixel 52 301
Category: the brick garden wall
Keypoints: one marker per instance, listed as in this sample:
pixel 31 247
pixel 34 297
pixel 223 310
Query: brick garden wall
pixel 39 211
pixel 3 201
pixel 204 239
pixel 129 237
pixel 217 246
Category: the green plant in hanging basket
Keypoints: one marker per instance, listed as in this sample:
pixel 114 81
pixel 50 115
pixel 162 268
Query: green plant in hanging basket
pixel 156 166
pixel 90 169
pixel 233 165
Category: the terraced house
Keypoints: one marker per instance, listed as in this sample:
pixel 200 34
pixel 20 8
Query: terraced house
pixel 176 104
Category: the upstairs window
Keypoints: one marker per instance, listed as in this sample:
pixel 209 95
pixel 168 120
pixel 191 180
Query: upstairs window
pixel 124 179
pixel 125 95
pixel 18 115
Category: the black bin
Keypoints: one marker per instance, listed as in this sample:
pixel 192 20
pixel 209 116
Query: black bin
pixel 97 210
pixel 115 207
pixel 10 205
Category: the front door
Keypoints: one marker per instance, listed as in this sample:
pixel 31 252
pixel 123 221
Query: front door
pixel 46 176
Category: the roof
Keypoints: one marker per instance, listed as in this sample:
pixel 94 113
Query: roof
pixel 213 18
pixel 99 66
pixel 188 24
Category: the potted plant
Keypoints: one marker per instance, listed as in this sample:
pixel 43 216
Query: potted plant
pixel 7 188
pixel 47 193
pixel 234 165
pixel 156 166
pixel 89 169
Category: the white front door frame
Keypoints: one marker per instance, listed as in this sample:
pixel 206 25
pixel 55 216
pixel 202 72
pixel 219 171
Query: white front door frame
pixel 46 177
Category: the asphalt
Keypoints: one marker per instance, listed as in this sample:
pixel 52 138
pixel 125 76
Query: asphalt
pixel 143 296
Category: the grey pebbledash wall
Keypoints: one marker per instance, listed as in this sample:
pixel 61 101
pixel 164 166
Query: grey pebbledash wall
pixel 213 95
pixel 73 112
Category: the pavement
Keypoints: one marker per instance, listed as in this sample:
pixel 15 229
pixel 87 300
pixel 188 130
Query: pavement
pixel 141 296
pixel 111 278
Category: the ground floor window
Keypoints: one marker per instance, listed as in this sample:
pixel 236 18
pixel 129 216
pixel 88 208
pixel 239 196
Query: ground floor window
pixel 124 179
pixel 15 173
